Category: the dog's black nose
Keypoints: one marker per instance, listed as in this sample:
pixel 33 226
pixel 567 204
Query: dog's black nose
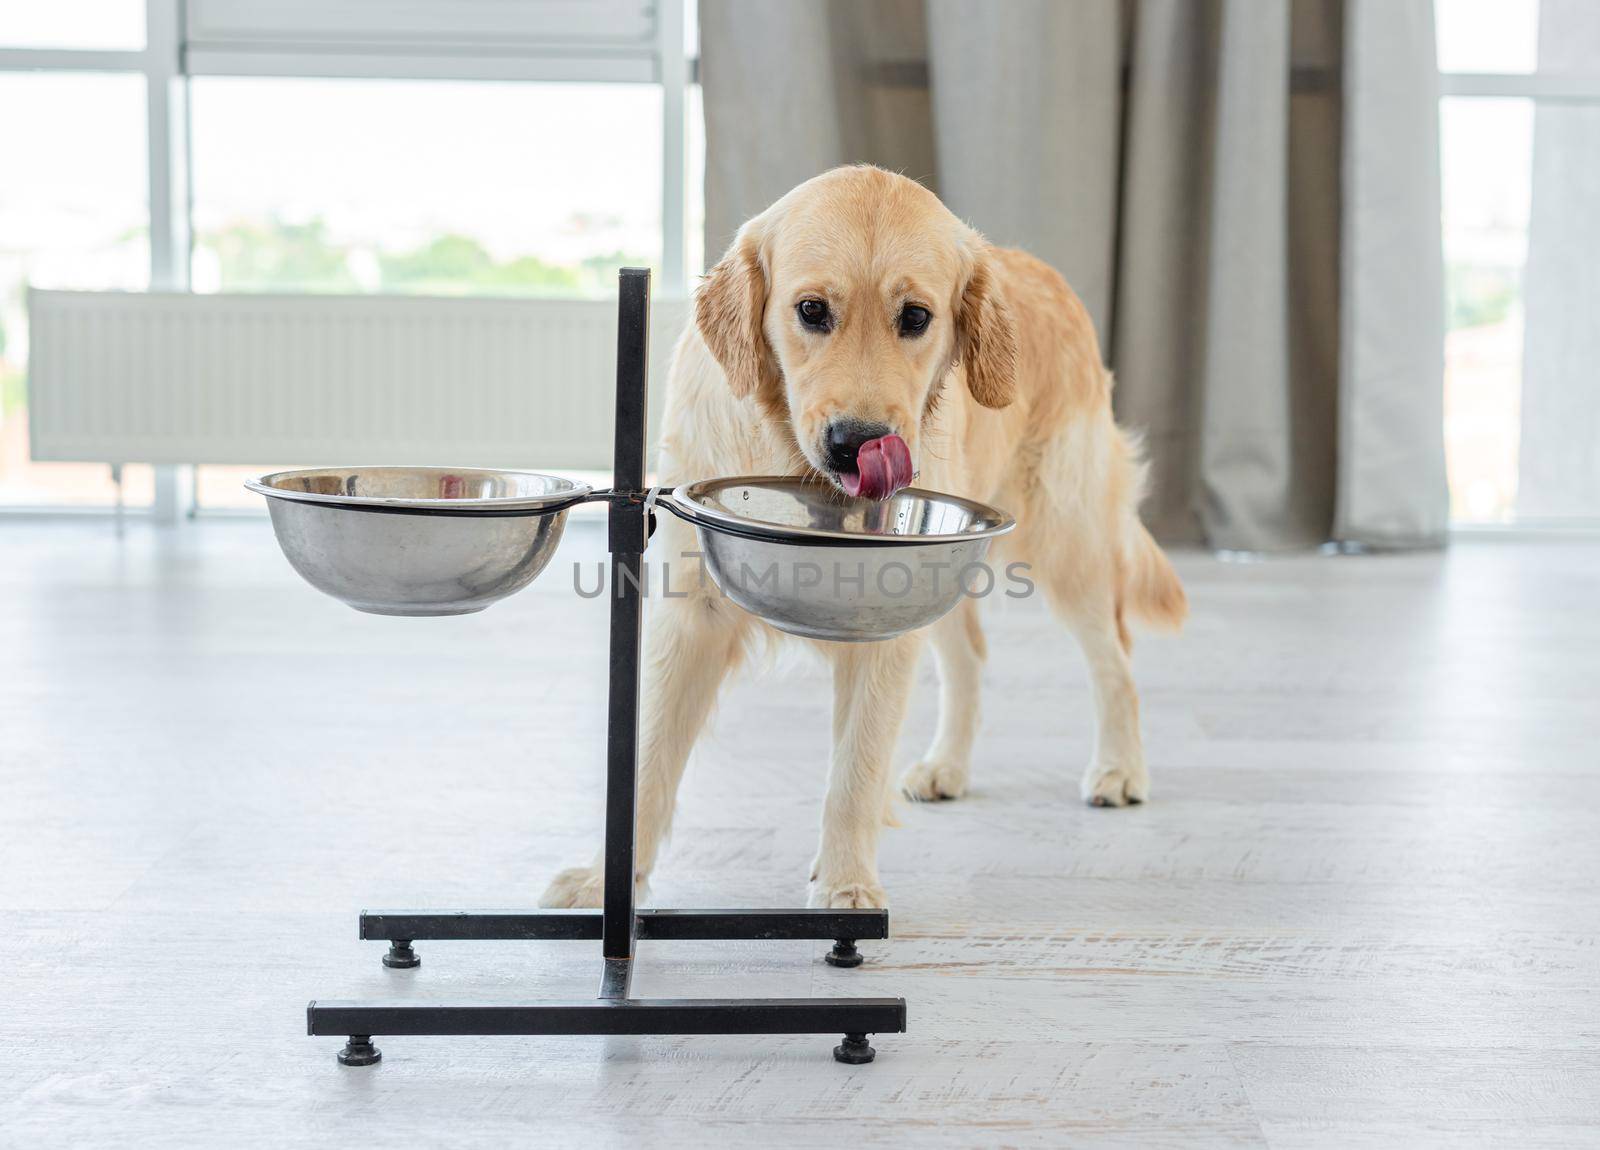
pixel 844 440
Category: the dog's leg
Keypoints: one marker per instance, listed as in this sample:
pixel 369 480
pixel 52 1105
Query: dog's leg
pixel 1073 556
pixel 691 645
pixel 1117 774
pixel 871 685
pixel 959 648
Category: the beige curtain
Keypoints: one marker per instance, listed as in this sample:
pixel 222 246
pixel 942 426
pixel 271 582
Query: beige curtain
pixel 1244 192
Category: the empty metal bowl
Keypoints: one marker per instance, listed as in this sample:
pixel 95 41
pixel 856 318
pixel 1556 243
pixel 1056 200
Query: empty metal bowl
pixel 815 562
pixel 418 540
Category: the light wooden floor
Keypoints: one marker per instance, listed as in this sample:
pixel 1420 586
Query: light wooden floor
pixel 1360 911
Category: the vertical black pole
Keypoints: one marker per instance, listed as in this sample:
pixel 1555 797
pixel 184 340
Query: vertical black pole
pixel 628 535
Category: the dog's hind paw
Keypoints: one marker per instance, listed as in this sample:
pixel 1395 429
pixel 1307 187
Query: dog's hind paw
pixel 931 781
pixel 847 896
pixel 1115 786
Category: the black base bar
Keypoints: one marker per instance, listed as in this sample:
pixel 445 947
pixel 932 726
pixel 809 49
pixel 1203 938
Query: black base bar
pixel 853 1017
pixel 620 925
pixel 401 927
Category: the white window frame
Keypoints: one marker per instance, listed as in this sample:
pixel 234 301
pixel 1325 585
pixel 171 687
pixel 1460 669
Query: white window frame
pixel 181 42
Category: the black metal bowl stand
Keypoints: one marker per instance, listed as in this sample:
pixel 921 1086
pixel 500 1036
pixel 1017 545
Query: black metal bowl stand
pixel 619 925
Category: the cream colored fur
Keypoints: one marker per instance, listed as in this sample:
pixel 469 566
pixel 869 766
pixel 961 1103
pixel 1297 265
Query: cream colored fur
pixel 1003 399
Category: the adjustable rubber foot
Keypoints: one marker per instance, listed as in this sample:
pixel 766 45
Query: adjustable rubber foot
pixel 844 953
pixel 359 1051
pixel 401 956
pixel 854 1050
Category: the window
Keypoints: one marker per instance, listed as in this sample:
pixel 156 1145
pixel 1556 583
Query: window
pixel 1520 160
pixel 73 214
pixel 338 146
pixel 423 186
pixel 1486 148
pixel 76 24
pixel 1487 35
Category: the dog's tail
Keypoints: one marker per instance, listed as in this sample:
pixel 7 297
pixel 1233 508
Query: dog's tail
pixel 1151 590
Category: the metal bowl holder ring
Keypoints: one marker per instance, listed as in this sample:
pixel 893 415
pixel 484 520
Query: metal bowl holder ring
pixel 619 926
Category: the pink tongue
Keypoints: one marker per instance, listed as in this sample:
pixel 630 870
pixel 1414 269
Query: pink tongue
pixel 883 466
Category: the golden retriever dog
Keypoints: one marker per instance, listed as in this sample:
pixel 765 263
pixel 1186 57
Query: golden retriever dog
pixel 858 330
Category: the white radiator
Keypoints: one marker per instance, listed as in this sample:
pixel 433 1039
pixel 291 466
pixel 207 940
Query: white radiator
pixel 312 379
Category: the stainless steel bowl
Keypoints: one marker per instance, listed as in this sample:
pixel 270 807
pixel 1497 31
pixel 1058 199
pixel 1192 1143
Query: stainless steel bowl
pixel 418 540
pixel 815 562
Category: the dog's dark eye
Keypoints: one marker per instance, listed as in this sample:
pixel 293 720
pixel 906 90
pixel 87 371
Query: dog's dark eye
pixel 914 319
pixel 814 314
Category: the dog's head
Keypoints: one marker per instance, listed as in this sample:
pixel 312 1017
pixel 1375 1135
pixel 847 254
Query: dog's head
pixel 843 308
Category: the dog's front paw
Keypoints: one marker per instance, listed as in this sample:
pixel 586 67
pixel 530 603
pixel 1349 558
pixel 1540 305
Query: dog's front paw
pixel 580 886
pixel 844 895
pixel 933 780
pixel 1109 785
pixel 576 886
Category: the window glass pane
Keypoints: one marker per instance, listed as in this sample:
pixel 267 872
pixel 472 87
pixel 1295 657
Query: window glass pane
pixel 1486 149
pixel 73 214
pixel 1487 35
pixel 423 186
pixel 221 485
pixel 696 258
pixel 72 24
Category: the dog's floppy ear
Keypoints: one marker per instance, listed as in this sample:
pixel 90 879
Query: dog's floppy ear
pixel 986 338
pixel 728 311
